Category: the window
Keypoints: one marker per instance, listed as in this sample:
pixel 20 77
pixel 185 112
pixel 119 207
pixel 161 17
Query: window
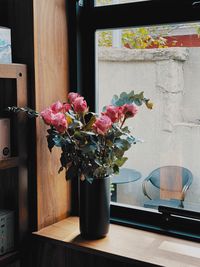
pixel 158 53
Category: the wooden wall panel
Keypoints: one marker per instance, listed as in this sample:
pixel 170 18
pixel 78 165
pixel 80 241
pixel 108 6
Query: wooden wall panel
pixel 51 84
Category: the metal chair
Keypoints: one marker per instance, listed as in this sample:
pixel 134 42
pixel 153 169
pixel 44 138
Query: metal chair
pixel 172 182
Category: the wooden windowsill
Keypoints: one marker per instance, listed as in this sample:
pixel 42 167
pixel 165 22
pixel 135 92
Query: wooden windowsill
pixel 128 244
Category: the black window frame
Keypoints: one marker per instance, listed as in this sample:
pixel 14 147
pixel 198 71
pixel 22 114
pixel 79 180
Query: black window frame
pixel 83 20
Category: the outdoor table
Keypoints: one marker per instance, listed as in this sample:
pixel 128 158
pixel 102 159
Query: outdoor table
pixel 125 175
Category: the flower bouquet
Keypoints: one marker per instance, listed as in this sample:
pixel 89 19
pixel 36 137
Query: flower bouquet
pixel 92 148
pixel 91 145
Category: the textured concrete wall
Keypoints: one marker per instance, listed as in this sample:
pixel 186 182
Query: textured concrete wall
pixel 171 131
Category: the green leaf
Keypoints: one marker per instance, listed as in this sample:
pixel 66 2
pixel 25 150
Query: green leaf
pixel 116 131
pixel 123 95
pixel 75 124
pixel 114 100
pixel 111 135
pixel 115 168
pixel 72 172
pixel 97 162
pixel 89 115
pixel 131 95
pixel 87 133
pixel 90 148
pixel 131 139
pixel 63 160
pixel 118 152
pixel 99 171
pixel 120 102
pixel 138 102
pixel 125 129
pixel 122 144
pixel 79 135
pixel 138 99
pixel 109 143
pixel 102 171
pixel 59 141
pixel 88 126
pixel 104 108
pixel 30 112
pixel 52 130
pixel 120 162
pixel 50 142
pixel 140 95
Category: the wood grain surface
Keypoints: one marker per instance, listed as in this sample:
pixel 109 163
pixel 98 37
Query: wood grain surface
pixel 51 84
pixel 125 244
pixel 9 163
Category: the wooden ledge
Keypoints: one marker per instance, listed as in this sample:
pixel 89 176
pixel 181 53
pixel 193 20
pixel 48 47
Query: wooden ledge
pixel 127 244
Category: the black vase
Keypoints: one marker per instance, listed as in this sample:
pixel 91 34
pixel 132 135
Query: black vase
pixel 94 208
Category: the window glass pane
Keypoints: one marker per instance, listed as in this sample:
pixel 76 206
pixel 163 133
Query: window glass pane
pixel 114 2
pixel 164 63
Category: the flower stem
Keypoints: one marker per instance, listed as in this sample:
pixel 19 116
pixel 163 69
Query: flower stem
pixel 123 122
pixel 83 116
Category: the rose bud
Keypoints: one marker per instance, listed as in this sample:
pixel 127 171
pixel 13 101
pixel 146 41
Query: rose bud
pixel 129 110
pixel 72 96
pixel 102 125
pixel 114 113
pixel 56 107
pixel 80 105
pixel 47 115
pixel 66 107
pixel 59 122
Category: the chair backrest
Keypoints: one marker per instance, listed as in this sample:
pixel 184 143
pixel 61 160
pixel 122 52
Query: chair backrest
pixel 171 178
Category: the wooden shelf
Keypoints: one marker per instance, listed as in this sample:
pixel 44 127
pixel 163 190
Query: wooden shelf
pixel 14 71
pixel 9 257
pixel 16 189
pixel 9 163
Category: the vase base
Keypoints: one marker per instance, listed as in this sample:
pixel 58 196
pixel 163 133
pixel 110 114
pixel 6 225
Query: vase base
pixel 92 237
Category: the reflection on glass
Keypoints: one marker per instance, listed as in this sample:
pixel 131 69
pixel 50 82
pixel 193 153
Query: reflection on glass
pixel 164 62
pixel 114 2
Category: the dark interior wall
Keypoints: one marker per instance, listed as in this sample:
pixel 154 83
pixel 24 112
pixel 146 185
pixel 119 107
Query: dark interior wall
pixel 4 13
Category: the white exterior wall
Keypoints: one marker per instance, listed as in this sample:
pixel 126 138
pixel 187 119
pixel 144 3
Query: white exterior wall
pixel 171 131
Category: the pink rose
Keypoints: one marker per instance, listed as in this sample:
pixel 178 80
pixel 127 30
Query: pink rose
pixel 72 96
pixel 56 107
pixel 59 122
pixel 129 110
pixel 66 107
pixel 80 105
pixel 102 124
pixel 114 113
pixel 47 115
